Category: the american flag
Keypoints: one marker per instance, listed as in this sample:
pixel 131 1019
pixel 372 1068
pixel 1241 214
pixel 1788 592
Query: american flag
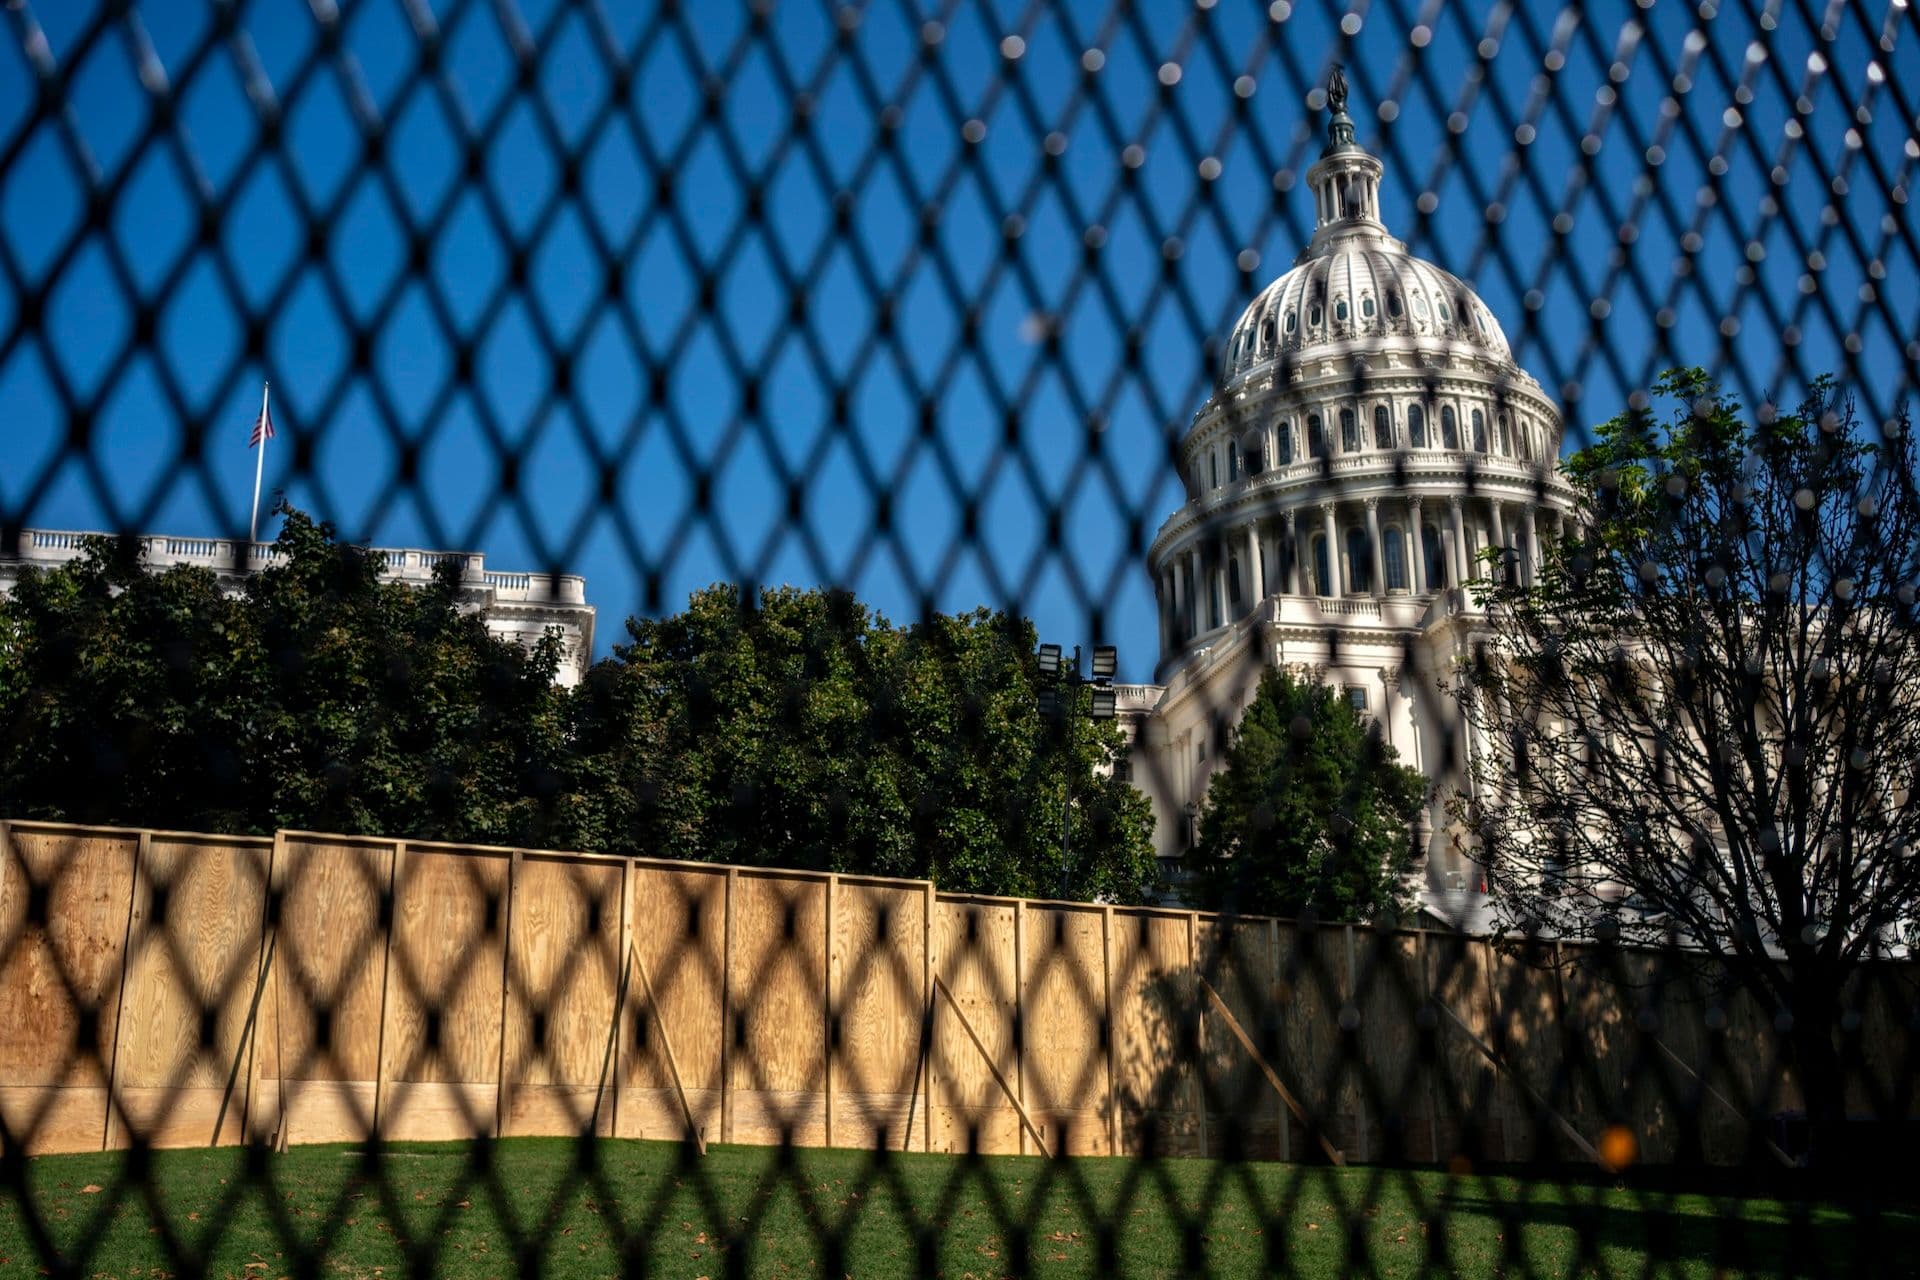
pixel 262 427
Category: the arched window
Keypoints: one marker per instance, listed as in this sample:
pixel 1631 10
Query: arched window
pixel 1233 580
pixel 1233 461
pixel 1359 561
pixel 1340 310
pixel 1366 307
pixel 1523 437
pixel 1394 306
pixel 1420 305
pixel 1322 582
pixel 1503 439
pixel 1316 438
pixel 1440 309
pixel 1315 316
pixel 1416 426
pixel 1349 432
pixel 1213 466
pixel 1479 432
pixel 1394 552
pixel 1449 428
pixel 1283 444
pixel 1292 317
pixel 1252 454
pixel 1266 334
pixel 1435 562
pixel 1382 427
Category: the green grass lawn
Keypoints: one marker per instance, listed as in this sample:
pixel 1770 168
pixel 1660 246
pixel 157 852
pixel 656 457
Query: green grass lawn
pixel 564 1209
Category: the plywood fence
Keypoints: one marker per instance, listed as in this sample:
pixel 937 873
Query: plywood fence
pixel 185 989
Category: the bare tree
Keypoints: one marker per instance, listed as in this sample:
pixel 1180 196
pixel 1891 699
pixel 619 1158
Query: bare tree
pixel 1699 725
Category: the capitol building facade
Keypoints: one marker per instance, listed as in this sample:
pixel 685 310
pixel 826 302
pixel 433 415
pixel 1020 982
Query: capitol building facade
pixel 1370 449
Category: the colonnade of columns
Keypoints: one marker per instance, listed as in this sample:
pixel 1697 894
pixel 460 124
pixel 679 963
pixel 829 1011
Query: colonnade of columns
pixel 1228 570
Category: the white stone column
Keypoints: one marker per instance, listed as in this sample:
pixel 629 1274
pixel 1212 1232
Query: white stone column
pixel 1530 548
pixel 1459 542
pixel 1181 593
pixel 1332 584
pixel 1196 587
pixel 1499 539
pixel 1293 550
pixel 1379 559
pixel 1166 612
pixel 1256 582
pixel 1417 540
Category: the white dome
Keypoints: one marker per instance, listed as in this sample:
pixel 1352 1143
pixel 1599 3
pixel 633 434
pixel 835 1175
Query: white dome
pixel 1354 288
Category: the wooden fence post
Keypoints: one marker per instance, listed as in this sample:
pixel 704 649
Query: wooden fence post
pixel 1199 1031
pixel 141 872
pixel 726 1011
pixel 1360 1144
pixel 1281 1124
pixel 832 1000
pixel 395 857
pixel 276 901
pixel 926 982
pixel 1113 1030
pixel 506 996
pixel 621 988
pixel 1426 996
pixel 1019 1010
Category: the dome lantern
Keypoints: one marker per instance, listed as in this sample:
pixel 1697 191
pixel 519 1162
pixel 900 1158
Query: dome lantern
pixel 1346 178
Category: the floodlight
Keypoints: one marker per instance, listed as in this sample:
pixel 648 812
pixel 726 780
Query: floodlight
pixel 1049 701
pixel 1049 659
pixel 1103 704
pixel 1105 660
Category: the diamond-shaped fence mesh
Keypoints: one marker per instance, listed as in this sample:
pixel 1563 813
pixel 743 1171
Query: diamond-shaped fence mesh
pixel 962 305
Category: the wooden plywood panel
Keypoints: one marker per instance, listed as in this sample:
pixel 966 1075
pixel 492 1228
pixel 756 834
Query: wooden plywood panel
pixel 64 900
pixel 1466 1096
pixel 1243 1108
pixel 1153 998
pixel 1388 1000
pixel 441 1053
pixel 778 1063
pixel 973 955
pixel 330 964
pixel 190 1012
pixel 562 976
pixel 878 937
pixel 678 926
pixel 1063 1008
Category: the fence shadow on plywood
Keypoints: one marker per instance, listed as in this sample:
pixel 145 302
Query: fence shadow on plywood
pixel 174 989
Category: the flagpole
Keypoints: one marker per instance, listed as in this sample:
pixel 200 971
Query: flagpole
pixel 259 465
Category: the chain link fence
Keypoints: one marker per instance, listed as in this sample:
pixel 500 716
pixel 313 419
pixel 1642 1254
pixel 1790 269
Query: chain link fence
pixel 918 300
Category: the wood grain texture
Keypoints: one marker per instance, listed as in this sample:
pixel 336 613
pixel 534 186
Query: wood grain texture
pixel 443 994
pixel 779 971
pixel 974 957
pixel 188 1011
pixel 1152 995
pixel 679 928
pixel 877 938
pixel 563 971
pixel 1063 1007
pixel 1235 962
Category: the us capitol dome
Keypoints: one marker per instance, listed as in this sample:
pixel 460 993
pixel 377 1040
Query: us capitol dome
pixel 1369 445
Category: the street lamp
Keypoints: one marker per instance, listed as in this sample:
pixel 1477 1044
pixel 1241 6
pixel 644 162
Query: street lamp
pixel 1059 698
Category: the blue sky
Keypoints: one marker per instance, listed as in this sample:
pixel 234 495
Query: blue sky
pixel 557 354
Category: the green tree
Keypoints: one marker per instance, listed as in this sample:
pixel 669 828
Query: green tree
pixel 1310 812
pixel 1708 706
pixel 317 696
pixel 796 728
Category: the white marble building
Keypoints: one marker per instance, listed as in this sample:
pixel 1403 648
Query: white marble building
pixel 518 606
pixel 1370 439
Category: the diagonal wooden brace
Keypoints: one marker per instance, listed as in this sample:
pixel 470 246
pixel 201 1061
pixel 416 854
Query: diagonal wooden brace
pixel 666 1043
pixel 998 1079
pixel 1273 1077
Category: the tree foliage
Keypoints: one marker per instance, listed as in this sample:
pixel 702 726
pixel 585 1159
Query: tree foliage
pixel 1704 715
pixel 798 729
pixel 318 697
pixel 791 729
pixel 1310 813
